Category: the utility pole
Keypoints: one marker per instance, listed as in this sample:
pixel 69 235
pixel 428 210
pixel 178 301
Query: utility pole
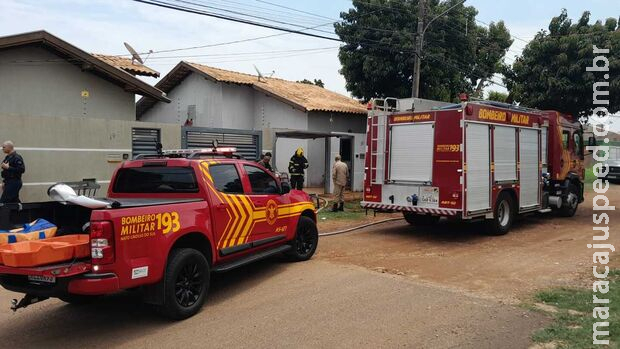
pixel 415 83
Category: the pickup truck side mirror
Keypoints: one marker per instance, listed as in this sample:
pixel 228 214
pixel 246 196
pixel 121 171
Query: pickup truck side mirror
pixel 286 188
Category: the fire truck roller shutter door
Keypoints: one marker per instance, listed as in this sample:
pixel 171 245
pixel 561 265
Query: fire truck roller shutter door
pixel 477 151
pixel 543 143
pixel 505 153
pixel 529 175
pixel 411 154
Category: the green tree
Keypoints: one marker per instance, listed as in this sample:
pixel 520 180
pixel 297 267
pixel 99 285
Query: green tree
pixel 551 72
pixel 458 55
pixel 317 82
pixel 497 96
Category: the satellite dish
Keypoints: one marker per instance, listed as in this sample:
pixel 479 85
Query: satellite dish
pixel 134 55
pixel 260 75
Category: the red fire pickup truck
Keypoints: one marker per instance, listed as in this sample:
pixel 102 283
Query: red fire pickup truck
pixel 170 222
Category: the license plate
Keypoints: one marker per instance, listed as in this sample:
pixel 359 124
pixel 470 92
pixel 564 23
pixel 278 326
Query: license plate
pixel 42 279
pixel 429 196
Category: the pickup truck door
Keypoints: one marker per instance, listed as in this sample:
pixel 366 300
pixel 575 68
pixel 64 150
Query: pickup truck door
pixel 227 200
pixel 270 209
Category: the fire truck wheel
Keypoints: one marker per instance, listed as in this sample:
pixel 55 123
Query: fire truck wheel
pixel 305 242
pixel 503 216
pixel 420 220
pixel 570 204
pixel 186 283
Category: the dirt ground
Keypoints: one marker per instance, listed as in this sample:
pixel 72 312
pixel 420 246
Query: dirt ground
pixel 540 251
pixel 272 304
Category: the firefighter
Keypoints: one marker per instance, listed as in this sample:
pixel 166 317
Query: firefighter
pixel 296 168
pixel 340 176
pixel 12 169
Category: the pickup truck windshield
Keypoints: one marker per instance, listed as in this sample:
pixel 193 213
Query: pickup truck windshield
pixel 156 180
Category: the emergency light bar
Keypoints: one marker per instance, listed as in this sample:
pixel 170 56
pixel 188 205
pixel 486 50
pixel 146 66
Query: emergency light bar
pixel 220 150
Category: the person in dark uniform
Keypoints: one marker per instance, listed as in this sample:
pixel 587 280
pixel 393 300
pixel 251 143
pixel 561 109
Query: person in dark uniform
pixel 296 168
pixel 265 161
pixel 12 169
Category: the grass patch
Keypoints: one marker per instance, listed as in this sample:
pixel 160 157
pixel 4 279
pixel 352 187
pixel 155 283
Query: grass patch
pixel 575 330
pixel 352 211
pixel 590 177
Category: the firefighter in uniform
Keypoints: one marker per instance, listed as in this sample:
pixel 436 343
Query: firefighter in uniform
pixel 12 169
pixel 340 176
pixel 296 168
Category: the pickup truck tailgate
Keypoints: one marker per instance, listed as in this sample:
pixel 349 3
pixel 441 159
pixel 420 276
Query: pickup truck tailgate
pixel 55 270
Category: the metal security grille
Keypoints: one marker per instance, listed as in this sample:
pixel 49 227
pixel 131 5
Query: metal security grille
pixel 247 144
pixel 144 140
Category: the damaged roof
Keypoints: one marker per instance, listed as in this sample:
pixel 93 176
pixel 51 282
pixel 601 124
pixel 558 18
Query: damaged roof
pixel 305 97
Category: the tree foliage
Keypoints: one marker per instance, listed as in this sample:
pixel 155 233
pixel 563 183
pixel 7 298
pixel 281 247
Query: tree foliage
pixel 551 72
pixel 317 82
pixel 378 54
pixel 497 96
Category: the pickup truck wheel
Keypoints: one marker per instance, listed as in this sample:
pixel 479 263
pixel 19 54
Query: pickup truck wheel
pixel 305 242
pixel 420 220
pixel 569 206
pixel 186 283
pixel 503 215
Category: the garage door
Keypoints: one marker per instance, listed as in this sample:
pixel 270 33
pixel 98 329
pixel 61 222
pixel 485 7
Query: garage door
pixel 246 142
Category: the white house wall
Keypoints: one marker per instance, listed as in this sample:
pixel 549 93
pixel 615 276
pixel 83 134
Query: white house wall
pixel 37 82
pixel 237 107
pixel 271 115
pixel 193 90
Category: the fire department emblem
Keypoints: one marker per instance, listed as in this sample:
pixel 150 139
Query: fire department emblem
pixel 272 212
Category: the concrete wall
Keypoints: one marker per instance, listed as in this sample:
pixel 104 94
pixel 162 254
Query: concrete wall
pixel 238 107
pixel 36 82
pixel 57 149
pixel 218 105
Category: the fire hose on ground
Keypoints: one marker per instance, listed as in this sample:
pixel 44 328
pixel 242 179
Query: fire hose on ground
pixel 320 208
pixel 360 226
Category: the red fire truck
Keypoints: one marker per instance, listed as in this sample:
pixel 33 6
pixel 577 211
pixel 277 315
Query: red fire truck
pixel 473 160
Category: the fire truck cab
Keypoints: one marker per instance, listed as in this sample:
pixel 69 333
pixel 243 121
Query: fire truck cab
pixel 473 160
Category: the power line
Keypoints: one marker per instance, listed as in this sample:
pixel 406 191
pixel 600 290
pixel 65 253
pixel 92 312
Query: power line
pixel 233 19
pixel 293 9
pixel 247 15
pixel 247 53
pixel 379 44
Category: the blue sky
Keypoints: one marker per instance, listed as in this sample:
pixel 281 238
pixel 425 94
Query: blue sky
pixel 103 25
